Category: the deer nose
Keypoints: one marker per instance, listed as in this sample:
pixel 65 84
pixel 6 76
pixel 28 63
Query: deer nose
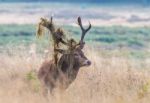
pixel 88 62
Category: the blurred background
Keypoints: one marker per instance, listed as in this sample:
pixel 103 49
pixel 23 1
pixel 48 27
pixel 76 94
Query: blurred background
pixel 117 24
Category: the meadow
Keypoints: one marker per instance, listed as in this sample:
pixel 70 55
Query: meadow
pixel 119 72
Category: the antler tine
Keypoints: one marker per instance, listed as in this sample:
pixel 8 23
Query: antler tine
pixel 80 23
pixel 51 18
pixel 84 31
pixel 89 27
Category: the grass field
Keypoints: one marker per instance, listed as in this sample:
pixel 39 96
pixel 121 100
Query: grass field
pixel 119 72
pixel 108 80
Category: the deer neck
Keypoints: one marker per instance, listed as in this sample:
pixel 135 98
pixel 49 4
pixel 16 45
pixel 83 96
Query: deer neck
pixel 72 73
pixel 69 67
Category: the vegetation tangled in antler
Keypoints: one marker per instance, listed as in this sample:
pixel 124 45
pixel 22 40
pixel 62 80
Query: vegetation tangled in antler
pixel 57 34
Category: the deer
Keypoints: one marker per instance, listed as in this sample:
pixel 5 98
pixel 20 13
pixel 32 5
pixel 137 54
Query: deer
pixel 65 72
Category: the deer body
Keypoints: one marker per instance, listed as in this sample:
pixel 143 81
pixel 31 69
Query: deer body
pixel 54 77
pixel 63 74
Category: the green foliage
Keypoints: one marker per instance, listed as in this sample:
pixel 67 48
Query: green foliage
pixel 144 90
pixel 31 76
pixel 33 81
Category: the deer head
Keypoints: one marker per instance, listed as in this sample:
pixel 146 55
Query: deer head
pixel 75 49
pixel 79 55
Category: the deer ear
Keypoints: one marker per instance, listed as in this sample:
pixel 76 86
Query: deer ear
pixel 79 20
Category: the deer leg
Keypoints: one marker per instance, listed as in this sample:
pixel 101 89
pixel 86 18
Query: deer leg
pixel 51 91
pixel 47 92
pixel 44 90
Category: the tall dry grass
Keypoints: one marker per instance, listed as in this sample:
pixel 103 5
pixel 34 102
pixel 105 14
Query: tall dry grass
pixel 110 79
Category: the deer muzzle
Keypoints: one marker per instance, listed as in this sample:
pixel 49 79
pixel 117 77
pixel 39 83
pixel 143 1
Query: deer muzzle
pixel 87 63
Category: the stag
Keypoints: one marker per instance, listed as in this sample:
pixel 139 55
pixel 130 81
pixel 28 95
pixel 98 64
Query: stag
pixel 65 72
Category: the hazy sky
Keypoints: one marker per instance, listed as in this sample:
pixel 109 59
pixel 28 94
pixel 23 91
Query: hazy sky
pixel 97 1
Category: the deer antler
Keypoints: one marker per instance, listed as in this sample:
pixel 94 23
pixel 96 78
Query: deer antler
pixel 84 31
